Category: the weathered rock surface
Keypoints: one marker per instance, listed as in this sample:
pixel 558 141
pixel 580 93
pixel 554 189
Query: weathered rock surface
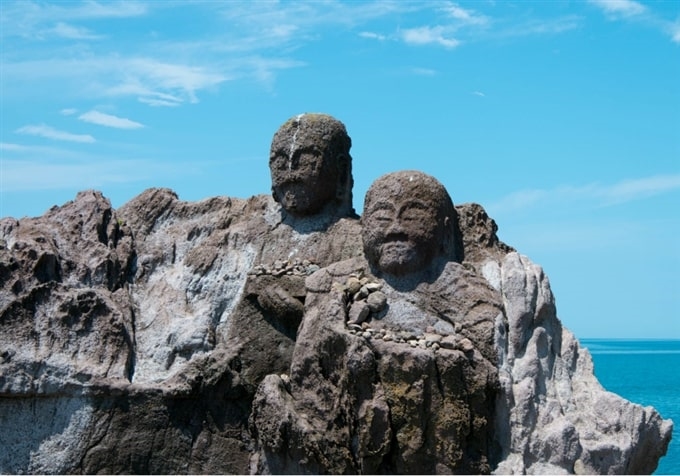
pixel 357 403
pixel 208 337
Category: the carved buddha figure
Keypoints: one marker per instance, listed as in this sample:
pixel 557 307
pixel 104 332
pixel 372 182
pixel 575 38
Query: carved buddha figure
pixel 311 167
pixel 408 223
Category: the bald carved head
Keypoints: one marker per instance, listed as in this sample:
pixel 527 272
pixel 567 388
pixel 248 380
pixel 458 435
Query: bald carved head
pixel 311 167
pixel 408 222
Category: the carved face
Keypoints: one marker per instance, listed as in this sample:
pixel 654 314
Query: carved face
pixel 310 165
pixel 405 222
pixel 304 177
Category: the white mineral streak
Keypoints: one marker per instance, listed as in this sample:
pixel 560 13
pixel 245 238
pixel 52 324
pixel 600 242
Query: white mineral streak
pixel 293 142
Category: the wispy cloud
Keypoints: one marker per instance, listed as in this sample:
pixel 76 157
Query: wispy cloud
pixel 32 167
pixel 373 36
pixel 28 175
pixel 634 189
pixel 153 102
pixel 619 8
pixel 466 16
pixel 10 147
pixel 119 9
pixel 478 93
pixel 68 111
pixel 424 71
pixel 164 78
pixel 37 20
pixel 48 132
pixel 674 31
pixel 427 35
pixel 116 76
pixel 108 120
pixel 631 10
pixel 538 27
pixel 64 30
pixel 595 194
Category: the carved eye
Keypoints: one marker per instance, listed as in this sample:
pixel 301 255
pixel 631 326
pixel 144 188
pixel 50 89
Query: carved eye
pixel 417 213
pixel 382 216
pixel 311 160
pixel 279 162
pixel 414 215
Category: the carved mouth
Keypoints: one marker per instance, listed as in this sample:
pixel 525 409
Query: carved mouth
pixel 396 247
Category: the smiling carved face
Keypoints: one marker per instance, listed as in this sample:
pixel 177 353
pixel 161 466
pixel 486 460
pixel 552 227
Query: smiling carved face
pixel 406 222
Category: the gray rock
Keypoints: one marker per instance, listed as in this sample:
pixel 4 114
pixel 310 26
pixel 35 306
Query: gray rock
pixel 358 312
pixel 153 339
pixel 376 301
pixel 555 416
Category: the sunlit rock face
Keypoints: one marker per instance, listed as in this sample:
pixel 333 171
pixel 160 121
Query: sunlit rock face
pixel 249 335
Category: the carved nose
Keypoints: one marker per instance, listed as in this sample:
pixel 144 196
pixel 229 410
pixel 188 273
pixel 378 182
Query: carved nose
pixel 395 231
pixel 395 228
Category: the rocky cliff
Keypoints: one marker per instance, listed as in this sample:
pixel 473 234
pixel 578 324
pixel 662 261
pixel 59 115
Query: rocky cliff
pixel 222 336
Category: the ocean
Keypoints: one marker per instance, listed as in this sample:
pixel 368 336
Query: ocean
pixel 645 372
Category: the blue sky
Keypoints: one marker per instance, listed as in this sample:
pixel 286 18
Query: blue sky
pixel 561 118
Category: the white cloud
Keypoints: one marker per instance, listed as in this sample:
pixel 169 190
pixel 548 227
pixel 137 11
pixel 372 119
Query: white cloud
pixel 631 10
pixel 174 77
pixel 48 132
pixel 372 36
pixel 618 8
pixel 551 26
pixel 158 102
pixel 8 146
pixel 594 194
pixel 468 17
pixel 108 120
pixel 478 93
pixel 120 9
pixel 424 71
pixel 427 35
pixel 674 30
pixel 634 189
pixel 116 76
pixel 65 30
pixel 68 111
pixel 27 175
pixel 37 20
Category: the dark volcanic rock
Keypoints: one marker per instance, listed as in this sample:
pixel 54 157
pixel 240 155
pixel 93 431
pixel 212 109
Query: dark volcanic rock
pixel 356 403
pixel 135 341
pixel 283 335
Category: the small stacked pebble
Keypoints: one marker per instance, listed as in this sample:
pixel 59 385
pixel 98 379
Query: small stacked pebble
pixel 285 267
pixel 427 340
pixel 363 298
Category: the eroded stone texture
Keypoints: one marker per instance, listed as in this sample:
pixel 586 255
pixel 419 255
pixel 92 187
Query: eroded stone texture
pixel 311 167
pixel 553 415
pixel 145 339
pixel 396 407
pixel 65 317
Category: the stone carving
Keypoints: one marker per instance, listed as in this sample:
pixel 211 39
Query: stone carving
pixel 311 172
pixel 133 340
pixel 408 222
pixel 311 167
pixel 405 287
pixel 200 255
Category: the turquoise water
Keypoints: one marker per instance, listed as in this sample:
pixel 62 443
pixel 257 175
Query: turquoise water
pixel 645 372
